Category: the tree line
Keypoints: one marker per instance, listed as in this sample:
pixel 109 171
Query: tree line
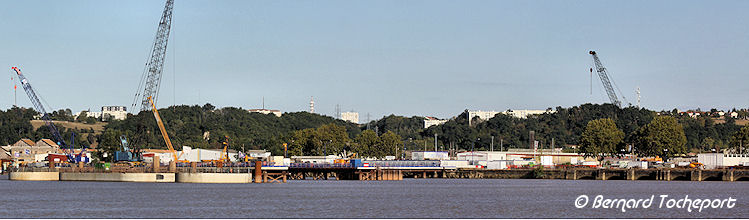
pixel 306 133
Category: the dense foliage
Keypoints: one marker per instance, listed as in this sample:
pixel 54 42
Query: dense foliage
pixel 601 138
pixel 15 124
pixel 661 137
pixel 205 126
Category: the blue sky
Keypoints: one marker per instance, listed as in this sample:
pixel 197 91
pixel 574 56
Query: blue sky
pixel 433 58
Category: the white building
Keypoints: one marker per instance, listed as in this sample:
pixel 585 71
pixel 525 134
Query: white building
pixel 431 121
pixel 352 117
pixel 430 155
pixel 187 153
pixel 277 113
pixel 113 112
pixel 96 115
pixel 525 113
pixel 483 115
pixel 718 160
pixel 486 115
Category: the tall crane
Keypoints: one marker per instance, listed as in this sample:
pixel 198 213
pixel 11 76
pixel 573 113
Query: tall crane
pixel 152 74
pixel 68 149
pixel 605 79
pixel 163 130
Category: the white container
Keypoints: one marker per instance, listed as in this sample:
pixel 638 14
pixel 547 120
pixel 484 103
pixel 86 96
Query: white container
pixel 454 163
pixel 496 165
pixel 546 161
pixel 429 155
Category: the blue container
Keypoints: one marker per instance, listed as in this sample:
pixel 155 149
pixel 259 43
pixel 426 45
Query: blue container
pixel 356 162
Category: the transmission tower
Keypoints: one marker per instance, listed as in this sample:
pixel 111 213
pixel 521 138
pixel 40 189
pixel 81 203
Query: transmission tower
pixel 603 74
pixel 337 111
pixel 638 97
pixel 152 74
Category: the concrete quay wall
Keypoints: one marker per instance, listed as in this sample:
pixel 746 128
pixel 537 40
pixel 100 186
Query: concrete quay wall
pixel 214 178
pixel 34 176
pixel 119 177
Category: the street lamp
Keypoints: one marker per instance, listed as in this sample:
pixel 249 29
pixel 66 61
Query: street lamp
pixel 665 155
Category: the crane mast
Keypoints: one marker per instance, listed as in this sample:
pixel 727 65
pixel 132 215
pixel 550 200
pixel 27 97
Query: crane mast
pixel 155 65
pixel 605 79
pixel 40 108
pixel 163 130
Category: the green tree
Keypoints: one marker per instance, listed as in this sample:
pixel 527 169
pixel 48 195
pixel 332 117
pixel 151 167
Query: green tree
pixel 333 139
pixel 367 144
pixel 302 142
pixel 662 137
pixel 601 138
pixel 739 140
pixel 391 142
pixel 109 142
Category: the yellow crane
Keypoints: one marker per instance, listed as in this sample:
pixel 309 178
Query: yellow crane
pixel 163 131
pixel 225 154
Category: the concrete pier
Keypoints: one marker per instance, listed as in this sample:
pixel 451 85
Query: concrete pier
pixel 214 178
pixel 119 177
pixel 34 176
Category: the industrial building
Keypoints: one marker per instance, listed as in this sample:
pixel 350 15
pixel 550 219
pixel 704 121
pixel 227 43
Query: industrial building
pixel 521 158
pixel 28 151
pixel 188 154
pixel 719 160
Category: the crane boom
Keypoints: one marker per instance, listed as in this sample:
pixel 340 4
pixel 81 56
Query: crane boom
pixel 605 79
pixel 40 108
pixel 163 130
pixel 155 65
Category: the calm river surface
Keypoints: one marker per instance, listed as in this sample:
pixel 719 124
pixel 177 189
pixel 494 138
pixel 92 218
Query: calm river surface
pixel 410 198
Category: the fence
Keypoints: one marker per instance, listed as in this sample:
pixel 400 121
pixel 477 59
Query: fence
pixel 403 163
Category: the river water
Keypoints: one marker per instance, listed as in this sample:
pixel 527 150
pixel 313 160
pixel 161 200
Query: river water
pixel 410 198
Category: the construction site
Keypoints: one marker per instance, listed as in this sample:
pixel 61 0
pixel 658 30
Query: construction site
pixel 134 164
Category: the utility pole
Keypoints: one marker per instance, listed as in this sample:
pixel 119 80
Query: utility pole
pixel 552 143
pixel 435 142
pixel 492 144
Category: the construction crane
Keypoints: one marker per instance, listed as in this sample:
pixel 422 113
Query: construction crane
pixel 225 153
pixel 163 130
pixel 126 154
pixel 152 74
pixel 601 70
pixel 67 149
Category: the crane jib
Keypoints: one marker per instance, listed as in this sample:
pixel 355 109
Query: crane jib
pixel 45 117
